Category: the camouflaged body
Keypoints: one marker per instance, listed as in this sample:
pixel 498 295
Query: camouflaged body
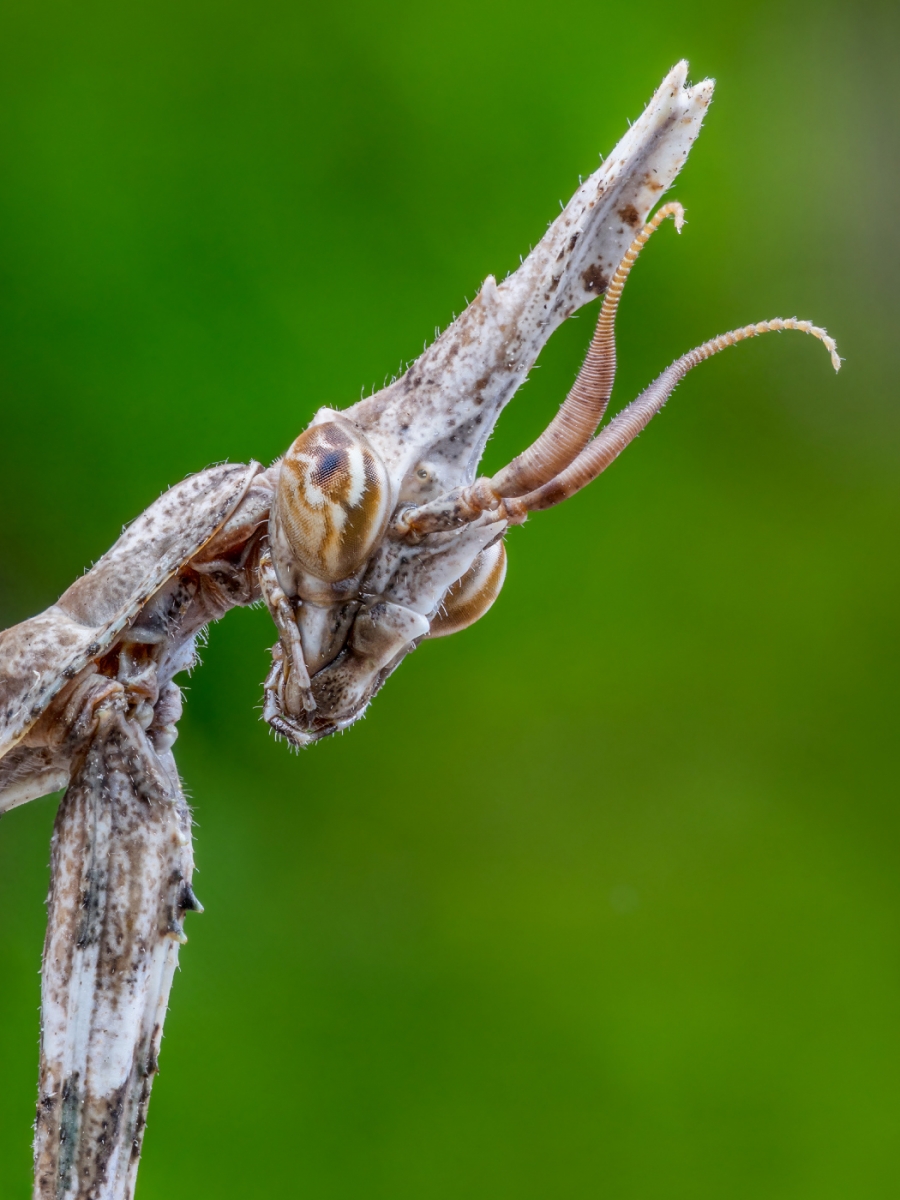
pixel 88 698
pixel 427 432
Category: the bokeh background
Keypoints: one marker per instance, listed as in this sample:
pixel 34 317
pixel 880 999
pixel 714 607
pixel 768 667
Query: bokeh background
pixel 603 897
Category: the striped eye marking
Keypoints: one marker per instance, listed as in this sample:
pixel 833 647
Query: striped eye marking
pixel 470 597
pixel 332 500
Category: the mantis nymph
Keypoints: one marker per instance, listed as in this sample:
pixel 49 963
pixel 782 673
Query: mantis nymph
pixel 372 533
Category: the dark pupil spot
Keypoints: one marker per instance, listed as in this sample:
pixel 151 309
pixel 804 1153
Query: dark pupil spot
pixel 330 465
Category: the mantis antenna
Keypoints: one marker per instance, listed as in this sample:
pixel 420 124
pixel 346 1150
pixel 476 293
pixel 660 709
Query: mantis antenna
pixel 585 406
pixel 548 472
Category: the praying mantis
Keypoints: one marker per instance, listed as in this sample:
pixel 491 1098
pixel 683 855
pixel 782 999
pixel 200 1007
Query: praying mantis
pixel 371 534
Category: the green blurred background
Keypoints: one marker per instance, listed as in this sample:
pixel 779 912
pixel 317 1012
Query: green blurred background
pixel 603 897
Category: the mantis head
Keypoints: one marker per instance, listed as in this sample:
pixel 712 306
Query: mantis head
pixel 381 532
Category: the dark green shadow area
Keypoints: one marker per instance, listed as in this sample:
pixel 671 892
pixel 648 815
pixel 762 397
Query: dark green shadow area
pixel 602 899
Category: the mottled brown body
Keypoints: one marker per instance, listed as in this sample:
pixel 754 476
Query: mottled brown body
pixel 371 535
pixel 121 869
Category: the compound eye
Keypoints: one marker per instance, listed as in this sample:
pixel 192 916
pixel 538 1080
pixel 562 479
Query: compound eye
pixel 470 597
pixel 332 500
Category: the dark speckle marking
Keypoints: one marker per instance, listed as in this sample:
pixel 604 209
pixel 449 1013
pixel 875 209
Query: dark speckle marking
pixel 594 280
pixel 89 927
pixel 629 215
pixel 68 1131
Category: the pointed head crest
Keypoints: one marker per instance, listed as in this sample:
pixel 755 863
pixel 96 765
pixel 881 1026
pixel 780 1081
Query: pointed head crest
pixel 381 533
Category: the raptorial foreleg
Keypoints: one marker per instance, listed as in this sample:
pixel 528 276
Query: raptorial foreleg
pixel 287 688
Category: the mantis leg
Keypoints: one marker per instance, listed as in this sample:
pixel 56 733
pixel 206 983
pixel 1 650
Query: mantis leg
pixel 121 869
pixel 287 687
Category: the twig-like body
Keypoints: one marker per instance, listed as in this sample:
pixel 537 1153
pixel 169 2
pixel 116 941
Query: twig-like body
pixel 370 535
pixel 121 881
